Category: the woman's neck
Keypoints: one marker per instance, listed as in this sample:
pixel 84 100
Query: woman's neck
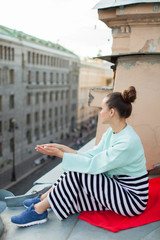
pixel 118 126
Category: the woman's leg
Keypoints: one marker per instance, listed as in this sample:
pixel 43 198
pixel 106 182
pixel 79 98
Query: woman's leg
pixel 78 192
pixel 44 195
pixel 42 206
pixel 69 197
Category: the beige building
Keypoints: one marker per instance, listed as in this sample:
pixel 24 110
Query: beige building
pixel 93 74
pixel 136 55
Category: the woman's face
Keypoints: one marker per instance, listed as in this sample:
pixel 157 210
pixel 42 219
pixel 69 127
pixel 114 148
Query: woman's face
pixel 105 112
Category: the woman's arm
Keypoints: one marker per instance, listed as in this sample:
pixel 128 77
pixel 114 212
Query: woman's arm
pixel 54 149
pixel 63 148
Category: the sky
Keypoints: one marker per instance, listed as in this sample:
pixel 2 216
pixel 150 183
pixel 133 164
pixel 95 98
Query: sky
pixel 74 24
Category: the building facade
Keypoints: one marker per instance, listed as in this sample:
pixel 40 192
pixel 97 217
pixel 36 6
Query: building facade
pixel 94 73
pixel 38 94
pixel 136 54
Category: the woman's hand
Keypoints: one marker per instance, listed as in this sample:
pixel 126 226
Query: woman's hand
pixel 49 149
pixel 62 148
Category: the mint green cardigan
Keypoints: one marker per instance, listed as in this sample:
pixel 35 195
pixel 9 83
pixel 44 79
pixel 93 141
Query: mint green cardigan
pixel 116 154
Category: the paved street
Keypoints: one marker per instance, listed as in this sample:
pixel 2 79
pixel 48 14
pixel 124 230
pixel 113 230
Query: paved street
pixel 26 183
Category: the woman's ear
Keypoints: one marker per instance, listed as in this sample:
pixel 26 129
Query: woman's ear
pixel 112 112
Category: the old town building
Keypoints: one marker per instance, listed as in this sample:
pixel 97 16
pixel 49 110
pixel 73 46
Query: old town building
pixel 38 94
pixel 94 73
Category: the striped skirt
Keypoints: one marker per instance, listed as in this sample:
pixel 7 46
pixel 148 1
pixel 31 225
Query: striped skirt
pixel 75 192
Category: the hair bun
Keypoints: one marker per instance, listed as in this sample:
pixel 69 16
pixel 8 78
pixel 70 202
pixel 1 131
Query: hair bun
pixel 129 95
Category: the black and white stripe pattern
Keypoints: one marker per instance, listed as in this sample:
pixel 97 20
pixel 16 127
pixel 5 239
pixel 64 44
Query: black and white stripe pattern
pixel 76 192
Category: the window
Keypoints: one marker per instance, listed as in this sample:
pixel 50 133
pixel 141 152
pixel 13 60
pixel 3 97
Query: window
pixel 9 53
pixel 5 53
pixel 44 130
pixel 37 98
pixel 1 52
pixel 44 115
pixel 66 120
pixel 33 57
pixel 41 59
pixel 0 103
pixel 50 127
pixel 36 116
pixel 44 60
pixel 37 77
pixel 56 96
pixel 74 93
pixel 36 132
pixel 108 81
pixel 0 127
pixel 29 99
pixel 29 136
pixel 50 96
pixel 23 62
pixel 67 78
pixel 12 54
pixel 57 62
pixel 57 78
pixel 66 109
pixel 62 93
pixel 51 61
pixel 56 111
pixel 61 109
pixel 48 60
pixel 56 126
pixel 0 77
pixel 0 149
pixel 11 101
pixel 73 107
pixel 67 94
pixel 11 124
pixel 50 112
pixel 54 61
pixel 29 77
pixel 62 123
pixel 37 58
pixel 44 97
pixel 28 119
pixel 29 57
pixel 51 77
pixel 11 76
pixel 44 78
pixel 60 62
pixel 62 78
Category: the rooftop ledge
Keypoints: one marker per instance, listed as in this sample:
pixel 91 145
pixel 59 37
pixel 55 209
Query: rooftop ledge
pixel 113 58
pixel 72 228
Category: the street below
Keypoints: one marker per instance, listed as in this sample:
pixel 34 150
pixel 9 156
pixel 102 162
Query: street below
pixel 25 184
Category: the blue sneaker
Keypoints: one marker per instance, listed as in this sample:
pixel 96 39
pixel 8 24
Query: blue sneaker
pixel 28 202
pixel 29 217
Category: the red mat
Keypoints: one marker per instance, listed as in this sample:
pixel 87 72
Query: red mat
pixel 114 222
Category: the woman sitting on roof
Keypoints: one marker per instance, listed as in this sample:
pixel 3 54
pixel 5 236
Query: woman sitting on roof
pixel 111 176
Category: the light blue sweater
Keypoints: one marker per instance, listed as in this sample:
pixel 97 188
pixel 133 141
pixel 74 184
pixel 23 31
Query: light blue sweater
pixel 116 154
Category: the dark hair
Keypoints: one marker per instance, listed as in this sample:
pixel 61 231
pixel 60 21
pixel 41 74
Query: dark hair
pixel 122 101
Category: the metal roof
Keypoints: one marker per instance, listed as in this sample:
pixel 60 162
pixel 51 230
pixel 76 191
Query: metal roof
pixel 29 38
pixel 115 3
pixel 113 58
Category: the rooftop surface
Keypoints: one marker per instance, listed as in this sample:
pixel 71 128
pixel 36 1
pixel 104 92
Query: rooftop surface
pixel 71 228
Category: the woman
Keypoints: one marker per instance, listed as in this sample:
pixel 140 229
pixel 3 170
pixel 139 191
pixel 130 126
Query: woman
pixel 111 176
